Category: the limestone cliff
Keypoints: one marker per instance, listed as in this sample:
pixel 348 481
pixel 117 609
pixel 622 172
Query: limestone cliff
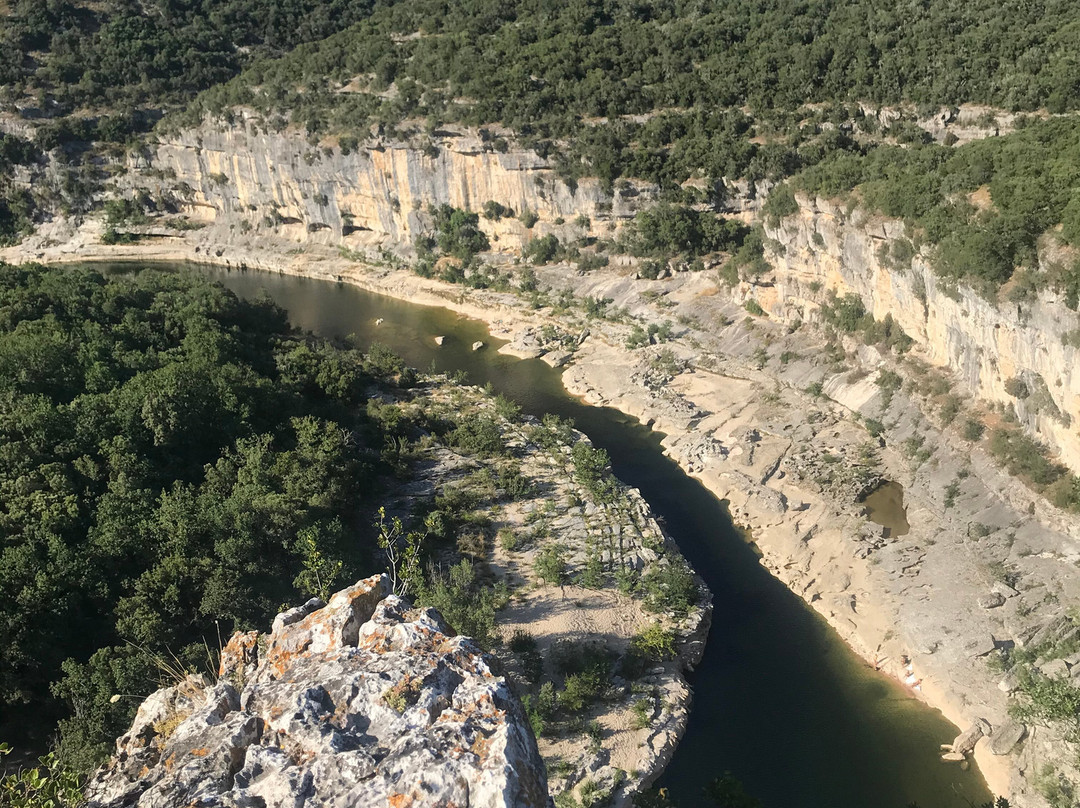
pixel 277 185
pixel 823 248
pixel 361 701
pixel 374 195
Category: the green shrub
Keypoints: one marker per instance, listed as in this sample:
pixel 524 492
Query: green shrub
pixel 480 435
pixel 540 708
pixel 552 433
pixel 670 588
pixel 542 250
pixel 780 204
pixel 973 429
pixel 592 575
pixel 1017 388
pixel 665 229
pixel 890 381
pixel 509 540
pixel 457 232
pixel 1055 788
pixel 581 690
pixel 654 642
pixel 637 338
pixel 848 313
pixel 493 211
pixel 47 785
pixel 591 471
pixel 111 236
pixel 463 600
pixel 1024 457
pixel 550 565
pixel 642 709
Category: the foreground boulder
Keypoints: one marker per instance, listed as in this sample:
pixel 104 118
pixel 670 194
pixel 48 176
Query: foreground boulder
pixel 363 701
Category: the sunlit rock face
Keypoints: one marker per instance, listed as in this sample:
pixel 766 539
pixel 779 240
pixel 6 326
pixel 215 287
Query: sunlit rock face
pixel 987 345
pixel 361 701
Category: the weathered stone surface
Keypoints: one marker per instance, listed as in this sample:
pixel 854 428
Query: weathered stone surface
pixel 1010 681
pixel 1004 589
pixel 965 741
pixel 1055 669
pixel 1007 737
pixel 363 701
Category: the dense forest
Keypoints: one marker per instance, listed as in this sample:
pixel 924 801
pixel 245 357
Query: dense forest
pixel 662 91
pixel 542 64
pixel 123 56
pixel 176 465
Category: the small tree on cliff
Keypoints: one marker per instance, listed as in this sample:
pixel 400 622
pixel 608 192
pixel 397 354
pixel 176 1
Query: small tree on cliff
pixel 402 553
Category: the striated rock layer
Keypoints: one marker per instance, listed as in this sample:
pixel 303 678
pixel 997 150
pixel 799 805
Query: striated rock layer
pixel 986 344
pixel 361 701
pixel 374 195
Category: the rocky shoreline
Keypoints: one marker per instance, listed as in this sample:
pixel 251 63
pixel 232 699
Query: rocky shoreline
pixel 914 607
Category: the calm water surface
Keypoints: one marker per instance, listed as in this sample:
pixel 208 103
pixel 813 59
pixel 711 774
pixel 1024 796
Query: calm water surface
pixel 885 506
pixel 779 700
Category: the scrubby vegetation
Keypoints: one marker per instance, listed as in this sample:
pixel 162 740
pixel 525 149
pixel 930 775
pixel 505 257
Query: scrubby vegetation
pixel 1033 180
pixel 666 230
pixel 1028 459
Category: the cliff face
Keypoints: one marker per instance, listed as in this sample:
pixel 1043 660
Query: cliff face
pixel 373 195
pixel 278 185
pixel 822 248
pixel 361 701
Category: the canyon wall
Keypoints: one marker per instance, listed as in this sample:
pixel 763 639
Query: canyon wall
pixel 373 196
pixel 254 184
pixel 824 248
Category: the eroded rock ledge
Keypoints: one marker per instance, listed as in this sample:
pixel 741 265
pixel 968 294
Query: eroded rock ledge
pixel 361 701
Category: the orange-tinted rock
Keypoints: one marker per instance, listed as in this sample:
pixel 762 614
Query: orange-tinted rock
pixel 240 656
pixel 361 701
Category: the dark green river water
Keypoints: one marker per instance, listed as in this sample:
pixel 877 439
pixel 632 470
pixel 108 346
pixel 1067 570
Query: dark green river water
pixel 779 700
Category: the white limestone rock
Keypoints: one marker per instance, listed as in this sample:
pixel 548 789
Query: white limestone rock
pixel 363 701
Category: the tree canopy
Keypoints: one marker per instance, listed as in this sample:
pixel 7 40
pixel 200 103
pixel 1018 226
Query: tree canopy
pixel 172 459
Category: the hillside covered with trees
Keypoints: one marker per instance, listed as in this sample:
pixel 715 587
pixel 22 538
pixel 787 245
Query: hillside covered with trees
pixel 176 465
pixel 662 91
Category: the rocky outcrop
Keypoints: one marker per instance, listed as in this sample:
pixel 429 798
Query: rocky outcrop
pixel 361 701
pixel 825 247
pixel 374 195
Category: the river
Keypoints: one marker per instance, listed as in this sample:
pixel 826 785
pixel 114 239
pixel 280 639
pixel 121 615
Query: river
pixel 779 700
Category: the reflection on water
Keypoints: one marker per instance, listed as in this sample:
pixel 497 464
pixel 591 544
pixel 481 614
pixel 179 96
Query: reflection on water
pixel 885 507
pixel 779 700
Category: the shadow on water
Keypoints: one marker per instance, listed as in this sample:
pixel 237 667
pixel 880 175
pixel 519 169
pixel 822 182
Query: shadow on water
pixel 779 700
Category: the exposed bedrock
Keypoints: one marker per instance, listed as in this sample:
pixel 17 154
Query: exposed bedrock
pixel 361 701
